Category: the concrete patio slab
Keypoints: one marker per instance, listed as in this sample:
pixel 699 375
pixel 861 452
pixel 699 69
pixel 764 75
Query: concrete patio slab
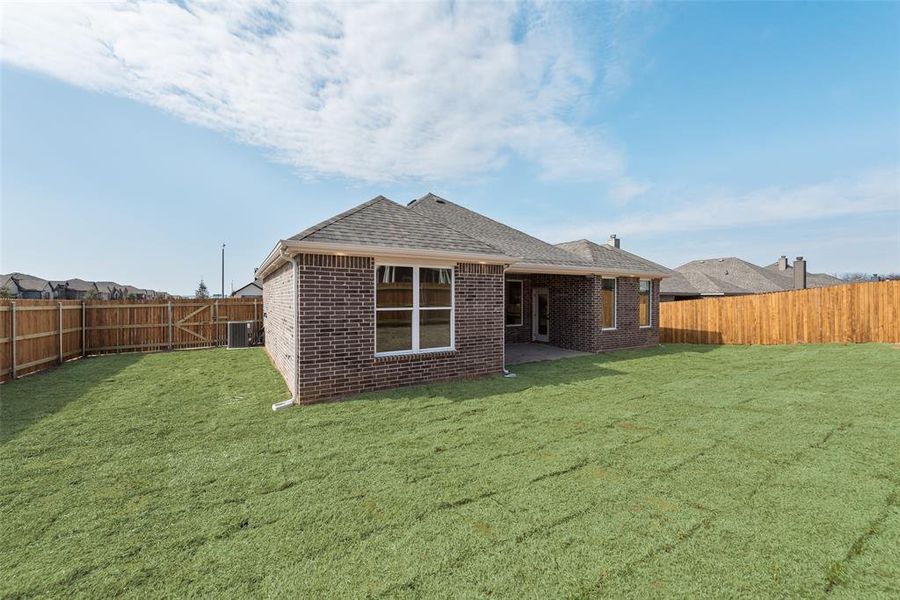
pixel 519 353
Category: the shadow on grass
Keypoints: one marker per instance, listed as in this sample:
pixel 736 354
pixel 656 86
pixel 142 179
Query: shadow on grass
pixel 26 401
pixel 535 375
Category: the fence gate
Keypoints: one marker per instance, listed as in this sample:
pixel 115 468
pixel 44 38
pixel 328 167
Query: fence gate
pixel 196 327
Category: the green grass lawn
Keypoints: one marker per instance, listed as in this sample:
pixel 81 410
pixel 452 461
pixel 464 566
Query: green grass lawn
pixel 679 471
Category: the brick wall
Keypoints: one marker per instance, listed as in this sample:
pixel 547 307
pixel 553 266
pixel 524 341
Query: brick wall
pixel 337 330
pixel 336 301
pixel 278 314
pixel 628 334
pixel 575 309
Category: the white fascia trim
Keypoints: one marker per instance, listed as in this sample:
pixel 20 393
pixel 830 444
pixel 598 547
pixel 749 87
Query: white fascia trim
pixel 523 267
pixel 273 260
pixel 391 252
pixel 294 247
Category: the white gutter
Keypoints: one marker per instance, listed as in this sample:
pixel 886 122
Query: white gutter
pixel 264 269
pixel 294 355
pixel 273 260
pixel 524 267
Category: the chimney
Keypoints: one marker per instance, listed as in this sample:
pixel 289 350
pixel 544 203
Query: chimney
pixel 799 273
pixel 782 263
pixel 613 240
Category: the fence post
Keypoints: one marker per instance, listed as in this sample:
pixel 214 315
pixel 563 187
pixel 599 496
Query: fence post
pixel 59 307
pixel 170 325
pixel 216 324
pixel 13 362
pixel 83 331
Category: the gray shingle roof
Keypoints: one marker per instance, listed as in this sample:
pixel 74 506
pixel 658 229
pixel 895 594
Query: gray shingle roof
pixel 108 286
pixel 433 223
pixel 678 285
pixel 702 283
pixel 381 222
pixel 30 282
pixel 614 259
pixel 731 275
pixel 813 280
pixel 510 241
pixel 6 281
pixel 80 285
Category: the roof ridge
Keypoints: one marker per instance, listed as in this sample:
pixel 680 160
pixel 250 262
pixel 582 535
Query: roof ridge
pixel 609 248
pixel 350 211
pixel 468 210
pixel 567 251
pixel 443 224
pixel 427 196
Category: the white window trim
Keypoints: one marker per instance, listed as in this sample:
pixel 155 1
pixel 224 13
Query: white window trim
pixel 649 304
pixel 521 304
pixel 416 309
pixel 615 303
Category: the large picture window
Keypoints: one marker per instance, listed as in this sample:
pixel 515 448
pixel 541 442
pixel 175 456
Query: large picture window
pixel 513 303
pixel 608 303
pixel 413 309
pixel 645 300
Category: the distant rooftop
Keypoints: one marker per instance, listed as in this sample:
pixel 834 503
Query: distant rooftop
pixel 731 276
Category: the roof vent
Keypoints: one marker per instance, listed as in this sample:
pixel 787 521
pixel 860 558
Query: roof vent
pixel 440 201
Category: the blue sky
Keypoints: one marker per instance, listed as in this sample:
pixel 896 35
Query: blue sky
pixel 137 139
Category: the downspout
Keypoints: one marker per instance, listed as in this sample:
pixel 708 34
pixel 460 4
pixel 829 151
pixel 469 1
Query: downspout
pixel 506 372
pixel 294 357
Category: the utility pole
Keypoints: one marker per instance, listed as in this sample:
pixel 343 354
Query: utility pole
pixel 223 270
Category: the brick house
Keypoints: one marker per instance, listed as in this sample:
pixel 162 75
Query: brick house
pixel 385 295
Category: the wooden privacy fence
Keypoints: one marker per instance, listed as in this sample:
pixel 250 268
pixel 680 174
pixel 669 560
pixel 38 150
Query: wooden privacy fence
pixel 862 312
pixel 36 334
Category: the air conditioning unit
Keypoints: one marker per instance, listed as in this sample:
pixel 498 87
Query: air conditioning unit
pixel 241 334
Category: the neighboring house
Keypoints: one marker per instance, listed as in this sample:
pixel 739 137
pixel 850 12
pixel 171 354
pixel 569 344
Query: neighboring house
pixel 813 280
pixel 79 289
pixel 385 295
pixel 21 285
pixel 251 290
pixel 31 287
pixel 110 290
pixel 134 293
pixel 58 289
pixel 734 277
pixel 9 287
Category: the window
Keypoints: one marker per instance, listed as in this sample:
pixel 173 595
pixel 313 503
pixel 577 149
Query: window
pixel 413 309
pixel 608 303
pixel 644 302
pixel 513 303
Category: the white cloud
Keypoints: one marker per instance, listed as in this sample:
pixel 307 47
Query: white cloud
pixel 877 191
pixel 375 92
